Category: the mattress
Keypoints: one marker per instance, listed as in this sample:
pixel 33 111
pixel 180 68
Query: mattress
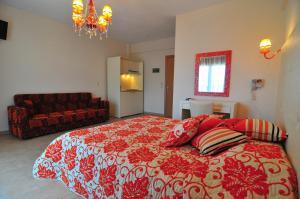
pixel 125 159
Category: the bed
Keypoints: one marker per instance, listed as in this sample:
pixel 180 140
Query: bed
pixel 125 159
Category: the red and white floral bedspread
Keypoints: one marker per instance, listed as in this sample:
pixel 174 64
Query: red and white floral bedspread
pixel 124 160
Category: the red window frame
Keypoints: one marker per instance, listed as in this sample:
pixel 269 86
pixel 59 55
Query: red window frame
pixel 228 54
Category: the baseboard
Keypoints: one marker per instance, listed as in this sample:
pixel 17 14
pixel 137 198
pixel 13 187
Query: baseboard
pixel 156 114
pixel 4 132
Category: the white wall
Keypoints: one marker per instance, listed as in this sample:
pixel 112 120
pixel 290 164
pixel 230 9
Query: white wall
pixel 153 54
pixel 42 55
pixel 238 26
pixel 289 107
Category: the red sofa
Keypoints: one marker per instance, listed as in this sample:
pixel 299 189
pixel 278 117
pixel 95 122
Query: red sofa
pixel 40 114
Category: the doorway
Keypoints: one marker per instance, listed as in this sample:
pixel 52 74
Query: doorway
pixel 169 85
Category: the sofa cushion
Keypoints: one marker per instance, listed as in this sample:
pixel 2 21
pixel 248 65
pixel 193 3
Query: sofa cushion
pixel 56 115
pixel 62 98
pixel 60 107
pixel 46 108
pixel 40 116
pixel 49 98
pixel 47 103
pixel 91 112
pixel 53 120
pixel 28 104
pixel 42 120
pixel 72 106
pixel 81 114
pixel 85 97
pixel 69 116
pixel 74 97
pixel 36 123
pixel 82 105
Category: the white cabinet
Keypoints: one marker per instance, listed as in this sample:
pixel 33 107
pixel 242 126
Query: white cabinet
pixel 131 103
pixel 125 87
pixel 128 66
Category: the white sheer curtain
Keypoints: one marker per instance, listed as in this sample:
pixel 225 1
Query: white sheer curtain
pixel 212 74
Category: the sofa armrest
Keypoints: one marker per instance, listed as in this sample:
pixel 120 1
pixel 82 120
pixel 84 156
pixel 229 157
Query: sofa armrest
pixel 104 104
pixel 101 104
pixel 18 120
pixel 95 102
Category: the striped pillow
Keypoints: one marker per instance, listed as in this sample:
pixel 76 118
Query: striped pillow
pixel 217 140
pixel 261 130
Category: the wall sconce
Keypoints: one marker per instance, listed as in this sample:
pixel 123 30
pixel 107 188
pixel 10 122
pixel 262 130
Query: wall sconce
pixel 265 46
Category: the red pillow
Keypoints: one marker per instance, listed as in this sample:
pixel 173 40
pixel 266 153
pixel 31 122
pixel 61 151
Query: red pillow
pixel 231 123
pixel 261 130
pixel 201 118
pixel 208 124
pixel 182 132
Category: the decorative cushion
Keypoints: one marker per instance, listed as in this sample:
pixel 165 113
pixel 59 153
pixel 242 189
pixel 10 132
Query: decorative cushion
pixel 208 124
pixel 217 140
pixel 231 123
pixel 261 130
pixel 201 118
pixel 182 132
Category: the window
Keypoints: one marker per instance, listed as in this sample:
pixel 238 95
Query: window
pixel 212 73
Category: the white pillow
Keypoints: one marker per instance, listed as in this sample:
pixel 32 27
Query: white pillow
pixel 199 107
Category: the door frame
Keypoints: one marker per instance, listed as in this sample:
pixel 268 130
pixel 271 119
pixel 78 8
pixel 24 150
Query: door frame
pixel 165 88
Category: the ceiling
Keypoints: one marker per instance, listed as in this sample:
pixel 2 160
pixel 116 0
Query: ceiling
pixel 133 20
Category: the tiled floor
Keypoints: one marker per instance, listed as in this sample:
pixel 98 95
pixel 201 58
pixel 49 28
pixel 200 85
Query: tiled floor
pixel 16 161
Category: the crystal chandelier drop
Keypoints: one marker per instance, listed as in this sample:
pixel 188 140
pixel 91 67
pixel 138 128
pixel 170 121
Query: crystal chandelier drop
pixel 89 21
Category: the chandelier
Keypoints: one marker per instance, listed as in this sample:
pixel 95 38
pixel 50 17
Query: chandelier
pixel 89 21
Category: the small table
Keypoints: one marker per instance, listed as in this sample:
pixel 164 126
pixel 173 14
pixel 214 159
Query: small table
pixel 219 107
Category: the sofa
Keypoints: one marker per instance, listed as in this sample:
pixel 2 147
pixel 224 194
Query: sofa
pixel 41 114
